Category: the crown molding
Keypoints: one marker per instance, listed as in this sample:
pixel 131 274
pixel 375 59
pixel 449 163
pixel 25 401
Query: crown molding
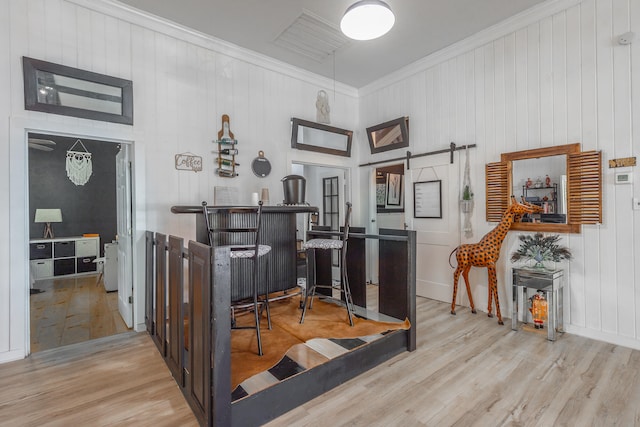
pixel 501 29
pixel 135 16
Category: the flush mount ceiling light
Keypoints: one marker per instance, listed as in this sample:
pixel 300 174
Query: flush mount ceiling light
pixel 367 20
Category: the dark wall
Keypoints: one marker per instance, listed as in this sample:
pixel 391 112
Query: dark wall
pixel 89 208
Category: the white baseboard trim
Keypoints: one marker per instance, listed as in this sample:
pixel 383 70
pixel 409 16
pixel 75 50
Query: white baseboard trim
pixel 10 356
pixel 603 336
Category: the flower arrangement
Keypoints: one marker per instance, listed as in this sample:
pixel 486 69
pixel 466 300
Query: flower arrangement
pixel 540 248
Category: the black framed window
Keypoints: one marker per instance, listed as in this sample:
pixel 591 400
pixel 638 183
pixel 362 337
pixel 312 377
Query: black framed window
pixel 331 208
pixel 330 203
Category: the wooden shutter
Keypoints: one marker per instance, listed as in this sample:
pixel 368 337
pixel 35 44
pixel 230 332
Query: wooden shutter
pixel 584 187
pixel 497 190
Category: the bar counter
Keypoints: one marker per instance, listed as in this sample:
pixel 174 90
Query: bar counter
pixel 278 231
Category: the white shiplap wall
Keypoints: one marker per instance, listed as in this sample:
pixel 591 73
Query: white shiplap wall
pixel 5 183
pixel 545 78
pixel 558 78
pixel 183 83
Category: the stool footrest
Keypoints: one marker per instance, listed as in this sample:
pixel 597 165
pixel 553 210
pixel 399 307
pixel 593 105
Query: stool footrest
pixel 335 287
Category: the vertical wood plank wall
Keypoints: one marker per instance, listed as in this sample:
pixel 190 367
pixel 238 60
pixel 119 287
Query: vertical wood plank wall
pixel 560 79
pixel 183 83
pixel 6 302
pixel 554 79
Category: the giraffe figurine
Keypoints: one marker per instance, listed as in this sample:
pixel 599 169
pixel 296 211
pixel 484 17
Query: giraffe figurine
pixel 485 253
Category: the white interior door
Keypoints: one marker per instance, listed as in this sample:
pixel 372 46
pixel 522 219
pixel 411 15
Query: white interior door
pixel 123 206
pixel 372 244
pixel 436 237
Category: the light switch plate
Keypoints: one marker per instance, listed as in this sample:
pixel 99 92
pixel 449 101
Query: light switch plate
pixel 636 204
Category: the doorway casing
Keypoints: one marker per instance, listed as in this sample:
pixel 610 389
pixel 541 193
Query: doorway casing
pixel 18 235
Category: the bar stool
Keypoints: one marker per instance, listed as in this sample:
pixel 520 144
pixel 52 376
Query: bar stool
pixel 329 244
pixel 237 235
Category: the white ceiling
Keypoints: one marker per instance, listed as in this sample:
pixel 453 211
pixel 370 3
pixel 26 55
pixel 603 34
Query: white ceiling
pixel 422 27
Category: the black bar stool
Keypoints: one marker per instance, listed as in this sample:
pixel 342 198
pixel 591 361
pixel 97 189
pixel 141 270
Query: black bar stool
pixel 231 235
pixel 329 244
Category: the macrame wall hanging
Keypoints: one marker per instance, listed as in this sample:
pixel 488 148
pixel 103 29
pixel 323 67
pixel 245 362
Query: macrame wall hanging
pixel 323 111
pixel 466 201
pixel 79 166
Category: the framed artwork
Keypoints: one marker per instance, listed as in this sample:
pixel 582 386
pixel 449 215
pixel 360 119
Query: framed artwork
pixel 381 195
pixel 427 199
pixel 389 135
pixel 58 89
pixel 394 189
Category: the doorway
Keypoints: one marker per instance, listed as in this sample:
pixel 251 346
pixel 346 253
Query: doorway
pixel 390 196
pixel 386 208
pixel 77 278
pixel 327 187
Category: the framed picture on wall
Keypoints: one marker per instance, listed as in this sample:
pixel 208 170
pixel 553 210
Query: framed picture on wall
pixel 427 199
pixel 389 135
pixel 381 194
pixel 394 189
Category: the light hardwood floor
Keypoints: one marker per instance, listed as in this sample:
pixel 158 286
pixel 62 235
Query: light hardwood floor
pixel 467 370
pixel 117 380
pixel 72 310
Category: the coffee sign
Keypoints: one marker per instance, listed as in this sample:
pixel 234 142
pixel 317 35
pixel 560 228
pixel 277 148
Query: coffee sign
pixel 188 162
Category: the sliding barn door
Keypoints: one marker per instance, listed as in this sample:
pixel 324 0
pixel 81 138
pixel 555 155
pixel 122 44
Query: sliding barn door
pixel 435 237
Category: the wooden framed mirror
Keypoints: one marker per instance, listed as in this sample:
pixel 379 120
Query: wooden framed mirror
pixel 58 89
pixel 389 135
pixel 311 136
pixel 563 180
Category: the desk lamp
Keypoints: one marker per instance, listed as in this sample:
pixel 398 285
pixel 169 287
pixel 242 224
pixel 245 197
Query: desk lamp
pixel 47 216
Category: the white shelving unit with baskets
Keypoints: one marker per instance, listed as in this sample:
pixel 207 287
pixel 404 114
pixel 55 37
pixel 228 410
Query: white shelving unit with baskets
pixel 64 256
